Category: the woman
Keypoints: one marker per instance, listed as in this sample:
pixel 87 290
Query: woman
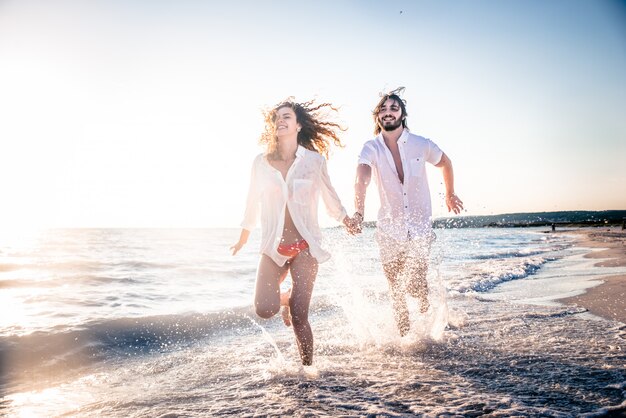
pixel 285 186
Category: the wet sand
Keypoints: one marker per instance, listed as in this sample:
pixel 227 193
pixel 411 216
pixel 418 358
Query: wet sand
pixel 608 299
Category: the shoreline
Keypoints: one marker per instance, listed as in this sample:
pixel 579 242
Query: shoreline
pixel 608 299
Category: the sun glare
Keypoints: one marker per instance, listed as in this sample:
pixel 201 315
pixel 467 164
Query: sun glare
pixel 13 237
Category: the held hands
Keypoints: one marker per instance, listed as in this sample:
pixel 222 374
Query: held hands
pixel 354 225
pixel 453 203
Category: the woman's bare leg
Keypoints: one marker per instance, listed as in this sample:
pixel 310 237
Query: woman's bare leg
pixel 303 273
pixel 267 294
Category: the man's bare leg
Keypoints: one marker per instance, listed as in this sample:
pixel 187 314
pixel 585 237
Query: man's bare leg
pixel 393 271
pixel 417 284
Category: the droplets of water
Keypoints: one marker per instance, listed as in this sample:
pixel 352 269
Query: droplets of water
pixel 270 340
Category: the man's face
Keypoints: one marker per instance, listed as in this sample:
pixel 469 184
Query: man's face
pixel 390 115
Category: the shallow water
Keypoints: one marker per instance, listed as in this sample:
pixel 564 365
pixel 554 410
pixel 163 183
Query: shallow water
pixel 150 323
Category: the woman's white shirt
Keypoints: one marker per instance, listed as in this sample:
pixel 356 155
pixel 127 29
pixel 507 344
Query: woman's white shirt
pixel 269 194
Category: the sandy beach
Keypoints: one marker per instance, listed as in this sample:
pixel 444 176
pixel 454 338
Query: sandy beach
pixel 608 299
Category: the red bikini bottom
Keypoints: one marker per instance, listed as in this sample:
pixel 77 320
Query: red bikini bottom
pixel 292 250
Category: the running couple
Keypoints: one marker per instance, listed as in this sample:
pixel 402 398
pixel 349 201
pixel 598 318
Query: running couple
pixel 287 181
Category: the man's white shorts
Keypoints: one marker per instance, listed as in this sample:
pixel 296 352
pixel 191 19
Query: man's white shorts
pixel 393 250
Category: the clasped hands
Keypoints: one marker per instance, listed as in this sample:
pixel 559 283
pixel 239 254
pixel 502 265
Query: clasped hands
pixel 354 224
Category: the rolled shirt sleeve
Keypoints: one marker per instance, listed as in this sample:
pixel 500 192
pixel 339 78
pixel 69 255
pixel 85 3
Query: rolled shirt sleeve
pixel 251 214
pixel 433 153
pixel 329 195
pixel 367 156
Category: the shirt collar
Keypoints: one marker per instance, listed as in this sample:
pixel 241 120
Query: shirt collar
pixel 403 137
pixel 300 151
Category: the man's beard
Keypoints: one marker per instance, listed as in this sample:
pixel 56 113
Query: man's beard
pixel 391 127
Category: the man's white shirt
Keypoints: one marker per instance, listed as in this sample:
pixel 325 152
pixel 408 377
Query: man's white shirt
pixel 405 208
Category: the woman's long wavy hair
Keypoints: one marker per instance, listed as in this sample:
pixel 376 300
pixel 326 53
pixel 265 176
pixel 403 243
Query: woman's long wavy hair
pixel 317 134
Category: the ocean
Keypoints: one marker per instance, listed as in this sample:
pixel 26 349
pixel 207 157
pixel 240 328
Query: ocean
pixel 159 323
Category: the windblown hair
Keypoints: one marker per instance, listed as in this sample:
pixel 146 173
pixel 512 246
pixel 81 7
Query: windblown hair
pixel 399 101
pixel 316 134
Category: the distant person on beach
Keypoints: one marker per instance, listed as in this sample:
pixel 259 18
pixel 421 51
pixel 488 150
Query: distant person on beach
pixel 397 160
pixel 286 183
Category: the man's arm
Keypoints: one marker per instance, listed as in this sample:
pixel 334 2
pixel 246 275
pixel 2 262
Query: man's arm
pixel 363 178
pixel 453 202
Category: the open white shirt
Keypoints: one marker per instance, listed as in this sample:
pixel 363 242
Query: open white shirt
pixel 270 194
pixel 405 208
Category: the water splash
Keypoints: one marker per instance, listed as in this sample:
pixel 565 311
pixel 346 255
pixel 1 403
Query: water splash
pixel 270 340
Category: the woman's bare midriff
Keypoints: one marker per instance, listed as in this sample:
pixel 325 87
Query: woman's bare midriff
pixel 290 232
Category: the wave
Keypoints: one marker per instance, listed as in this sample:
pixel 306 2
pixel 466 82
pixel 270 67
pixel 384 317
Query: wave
pixel 86 265
pixel 68 277
pixel 545 313
pixel 525 252
pixel 484 281
pixel 141 265
pixel 226 273
pixel 85 280
pixel 8 284
pixel 10 267
pixel 61 350
pixel 511 254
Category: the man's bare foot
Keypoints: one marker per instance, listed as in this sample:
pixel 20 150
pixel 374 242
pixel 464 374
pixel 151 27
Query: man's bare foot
pixel 286 314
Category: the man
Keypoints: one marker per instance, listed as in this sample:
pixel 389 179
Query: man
pixel 397 160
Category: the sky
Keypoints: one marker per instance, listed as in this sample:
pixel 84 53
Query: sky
pixel 147 113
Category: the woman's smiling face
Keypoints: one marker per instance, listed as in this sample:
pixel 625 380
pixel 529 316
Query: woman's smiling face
pixel 285 122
